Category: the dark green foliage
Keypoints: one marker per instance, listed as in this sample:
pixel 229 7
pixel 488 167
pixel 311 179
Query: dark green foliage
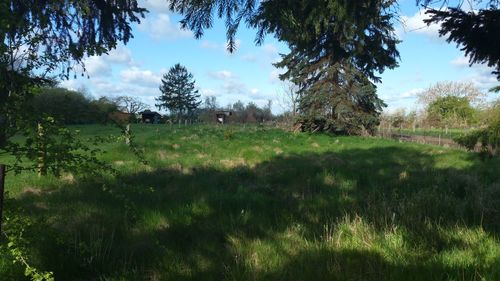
pixel 452 111
pixel 198 15
pixel 488 138
pixel 179 94
pixel 326 37
pixel 69 107
pixel 57 33
pixel 338 99
pixel 240 113
pixel 361 31
pixel 51 37
pixel 55 149
pixel 326 32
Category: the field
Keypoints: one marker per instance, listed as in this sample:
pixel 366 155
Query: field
pixel 255 203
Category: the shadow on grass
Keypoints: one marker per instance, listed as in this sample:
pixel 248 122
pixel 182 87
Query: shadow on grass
pixel 284 219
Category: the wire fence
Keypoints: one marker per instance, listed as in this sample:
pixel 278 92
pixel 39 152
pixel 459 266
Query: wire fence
pixel 434 136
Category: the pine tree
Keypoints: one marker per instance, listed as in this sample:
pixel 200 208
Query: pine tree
pixel 334 97
pixel 179 95
pixel 338 48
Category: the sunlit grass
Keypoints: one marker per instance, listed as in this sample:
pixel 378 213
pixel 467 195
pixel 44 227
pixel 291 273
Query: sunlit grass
pixel 254 203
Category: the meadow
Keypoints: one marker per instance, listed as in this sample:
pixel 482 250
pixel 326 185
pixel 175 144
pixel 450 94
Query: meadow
pixel 257 203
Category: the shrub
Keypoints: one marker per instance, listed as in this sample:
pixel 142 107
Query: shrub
pixel 488 137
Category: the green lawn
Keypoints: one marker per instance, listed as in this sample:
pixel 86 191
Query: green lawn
pixel 253 203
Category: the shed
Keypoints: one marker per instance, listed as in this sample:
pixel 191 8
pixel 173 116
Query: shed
pixel 150 117
pixel 222 115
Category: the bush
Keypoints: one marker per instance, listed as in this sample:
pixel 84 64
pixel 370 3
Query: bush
pixel 488 137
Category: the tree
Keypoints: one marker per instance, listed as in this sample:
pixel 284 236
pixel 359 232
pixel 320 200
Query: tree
pixel 289 98
pixel 361 31
pixel 465 90
pixel 179 95
pixel 130 104
pixel 342 100
pixel 488 137
pixel 476 31
pixel 451 111
pixel 51 37
pixel 327 39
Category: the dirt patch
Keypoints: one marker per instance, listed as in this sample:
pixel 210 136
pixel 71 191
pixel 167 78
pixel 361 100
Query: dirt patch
pixel 162 154
pixel 68 178
pixel 231 163
pixel 201 155
pixel 31 191
pixel 257 149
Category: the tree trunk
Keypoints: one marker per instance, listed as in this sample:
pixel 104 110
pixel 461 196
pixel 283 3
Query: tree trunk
pixel 42 151
pixel 2 189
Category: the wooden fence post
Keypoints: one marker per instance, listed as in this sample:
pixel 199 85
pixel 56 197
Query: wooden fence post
pixel 2 188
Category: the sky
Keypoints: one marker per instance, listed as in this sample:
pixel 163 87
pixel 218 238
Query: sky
pixel 248 75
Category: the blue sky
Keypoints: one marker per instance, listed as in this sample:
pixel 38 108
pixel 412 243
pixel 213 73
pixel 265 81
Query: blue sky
pixel 248 74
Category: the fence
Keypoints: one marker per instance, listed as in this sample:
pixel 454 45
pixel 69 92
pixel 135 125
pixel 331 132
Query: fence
pixel 434 136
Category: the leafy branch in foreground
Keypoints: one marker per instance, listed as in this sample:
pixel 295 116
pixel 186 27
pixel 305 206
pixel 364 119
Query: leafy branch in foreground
pixel 16 247
pixel 54 149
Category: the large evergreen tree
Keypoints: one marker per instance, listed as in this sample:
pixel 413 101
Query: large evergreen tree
pixel 338 48
pixel 337 98
pixel 179 94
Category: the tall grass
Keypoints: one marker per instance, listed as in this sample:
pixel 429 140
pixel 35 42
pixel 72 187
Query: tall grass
pixel 264 204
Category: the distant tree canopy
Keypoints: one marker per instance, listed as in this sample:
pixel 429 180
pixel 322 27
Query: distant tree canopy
pixel 240 113
pixel 69 107
pixel 438 90
pixel 452 111
pixel 178 92
pixel 130 105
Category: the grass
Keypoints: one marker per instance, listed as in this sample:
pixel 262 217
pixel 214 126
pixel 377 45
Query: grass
pixel 234 203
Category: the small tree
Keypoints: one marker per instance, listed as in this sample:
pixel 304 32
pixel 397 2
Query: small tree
pixel 130 105
pixel 451 111
pixel 179 95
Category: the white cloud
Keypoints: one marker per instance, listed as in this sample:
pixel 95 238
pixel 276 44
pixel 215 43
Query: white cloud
pixel 480 74
pixel 249 58
pixel 160 27
pixel 411 93
pixel 415 24
pixel 141 77
pixel 460 62
pixel 159 6
pixel 97 67
pixel 270 51
pixel 101 66
pixel 222 75
pixel 209 45
pixel 208 93
pixel 274 75
pixel 120 55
